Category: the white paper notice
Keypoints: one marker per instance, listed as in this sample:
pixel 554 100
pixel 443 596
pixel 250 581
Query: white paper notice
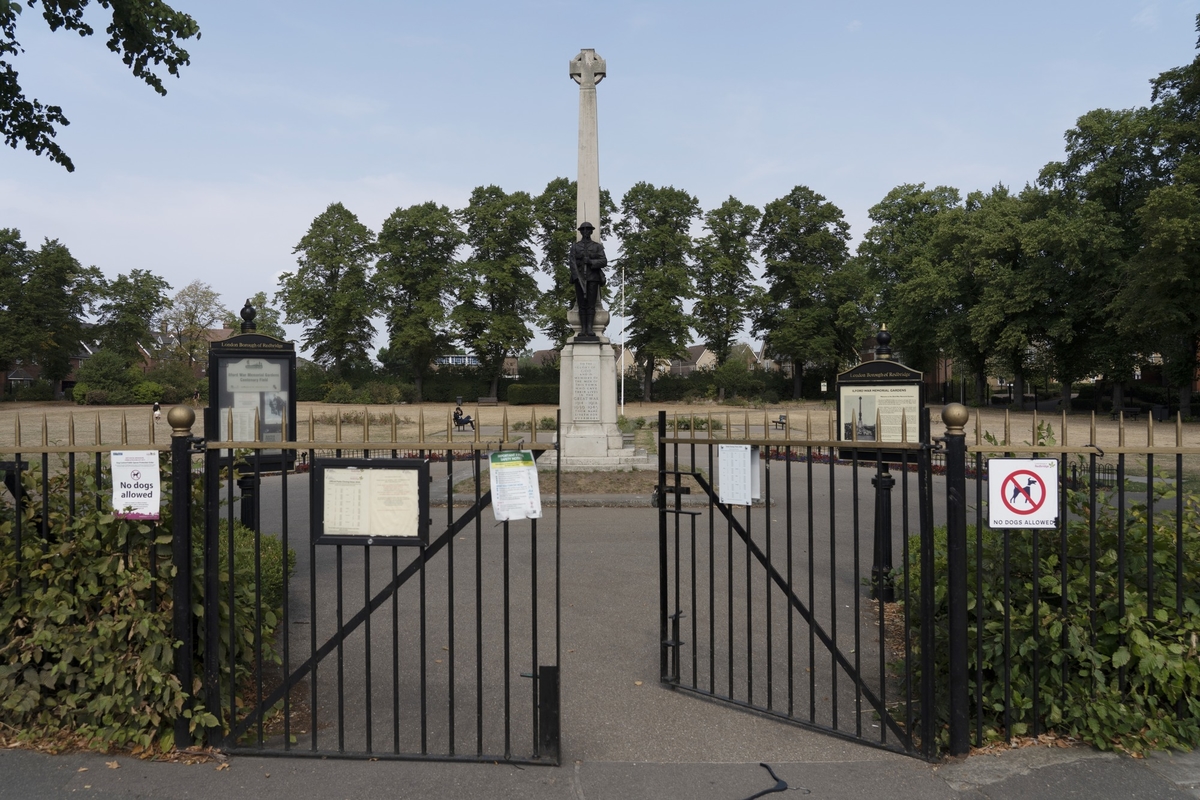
pixel 515 492
pixel 737 474
pixel 379 503
pixel 136 483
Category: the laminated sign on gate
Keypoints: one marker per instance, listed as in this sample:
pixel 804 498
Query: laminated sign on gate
pixel 1023 492
pixel 135 482
pixel 515 492
pixel 738 481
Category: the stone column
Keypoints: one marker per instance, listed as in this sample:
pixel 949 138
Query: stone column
pixel 588 69
pixel 588 377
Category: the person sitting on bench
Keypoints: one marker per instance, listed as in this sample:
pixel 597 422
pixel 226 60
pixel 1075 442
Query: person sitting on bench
pixel 460 421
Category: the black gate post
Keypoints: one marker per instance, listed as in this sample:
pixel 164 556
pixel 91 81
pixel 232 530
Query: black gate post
pixel 882 587
pixel 212 582
pixel 181 419
pixel 660 500
pixel 955 415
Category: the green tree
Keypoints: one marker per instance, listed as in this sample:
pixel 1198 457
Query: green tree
pixel 144 33
pixel 497 290
pixel 55 299
pixel 14 326
pixel 331 293
pixel 656 245
pixel 1112 164
pixel 267 319
pixel 416 279
pixel 723 277
pixel 127 310
pixel 902 260
pixel 194 311
pixel 813 309
pixel 554 212
pixel 1158 298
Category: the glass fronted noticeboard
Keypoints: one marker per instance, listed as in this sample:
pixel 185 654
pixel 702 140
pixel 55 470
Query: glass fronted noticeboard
pixel 371 501
pixel 252 383
pixel 880 402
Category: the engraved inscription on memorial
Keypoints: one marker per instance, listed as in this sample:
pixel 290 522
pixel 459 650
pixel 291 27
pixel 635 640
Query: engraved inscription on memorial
pixel 587 391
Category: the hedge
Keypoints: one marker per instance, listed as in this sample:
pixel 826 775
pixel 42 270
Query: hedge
pixel 533 394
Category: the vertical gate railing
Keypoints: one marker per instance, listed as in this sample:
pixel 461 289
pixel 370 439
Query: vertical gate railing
pixel 779 621
pixel 387 652
pixel 1129 526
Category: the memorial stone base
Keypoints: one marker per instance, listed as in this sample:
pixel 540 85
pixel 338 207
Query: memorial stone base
pixel 587 400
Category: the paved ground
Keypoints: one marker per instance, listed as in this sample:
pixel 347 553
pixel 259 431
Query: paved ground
pixel 624 735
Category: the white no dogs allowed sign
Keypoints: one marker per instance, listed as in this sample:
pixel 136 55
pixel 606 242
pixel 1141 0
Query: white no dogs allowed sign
pixel 1023 492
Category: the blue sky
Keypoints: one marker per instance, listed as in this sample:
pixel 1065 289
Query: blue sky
pixel 290 106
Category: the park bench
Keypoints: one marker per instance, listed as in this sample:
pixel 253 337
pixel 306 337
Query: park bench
pixel 781 422
pixel 1129 411
pixel 461 423
pixel 488 401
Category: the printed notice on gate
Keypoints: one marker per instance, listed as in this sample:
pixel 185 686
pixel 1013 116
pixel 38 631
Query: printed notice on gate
pixel 515 491
pixel 738 482
pixel 1023 492
pixel 380 503
pixel 135 482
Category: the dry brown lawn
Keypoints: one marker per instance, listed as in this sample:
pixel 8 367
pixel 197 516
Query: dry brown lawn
pixel 60 424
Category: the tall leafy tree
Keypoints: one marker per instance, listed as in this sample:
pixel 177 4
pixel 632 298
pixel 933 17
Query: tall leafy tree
pixel 14 325
pixel 127 311
pixel 331 292
pixel 497 290
pixel 656 246
pixel 416 280
pixel 144 34
pixel 195 310
pixel 1158 299
pixel 1112 164
pixel 901 254
pixel 554 211
pixel 723 278
pixel 57 296
pixel 813 310
pixel 267 319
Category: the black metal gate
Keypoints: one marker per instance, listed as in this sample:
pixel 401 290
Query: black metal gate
pixel 444 652
pixel 771 607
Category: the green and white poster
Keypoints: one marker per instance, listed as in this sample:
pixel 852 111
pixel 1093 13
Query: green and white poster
pixel 515 492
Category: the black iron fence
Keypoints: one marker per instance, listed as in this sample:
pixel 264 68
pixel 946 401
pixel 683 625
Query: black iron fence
pixel 448 651
pixel 790 606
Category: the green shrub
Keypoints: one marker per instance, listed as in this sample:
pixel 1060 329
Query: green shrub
pixel 96 397
pixel 339 392
pixel 80 392
pixel 1085 653
pixel 38 390
pixel 533 394
pixel 88 653
pixel 548 424
pixel 171 395
pixel 310 381
pixel 147 392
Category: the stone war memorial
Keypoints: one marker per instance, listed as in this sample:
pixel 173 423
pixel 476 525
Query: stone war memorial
pixel 588 377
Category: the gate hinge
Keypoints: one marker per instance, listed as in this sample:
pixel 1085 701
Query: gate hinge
pixel 195 444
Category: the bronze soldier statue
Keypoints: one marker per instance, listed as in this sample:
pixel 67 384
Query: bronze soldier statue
pixel 587 262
